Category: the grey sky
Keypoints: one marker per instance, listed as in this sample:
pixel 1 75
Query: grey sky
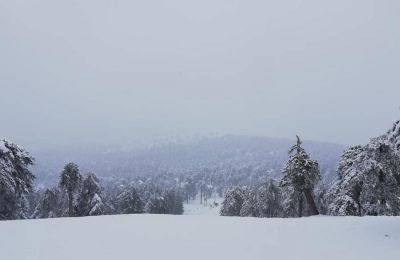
pixel 113 71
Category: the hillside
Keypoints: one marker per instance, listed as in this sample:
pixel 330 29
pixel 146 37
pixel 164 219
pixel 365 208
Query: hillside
pixel 149 237
pixel 268 154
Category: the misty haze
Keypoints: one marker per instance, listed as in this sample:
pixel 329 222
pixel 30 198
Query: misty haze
pixel 251 118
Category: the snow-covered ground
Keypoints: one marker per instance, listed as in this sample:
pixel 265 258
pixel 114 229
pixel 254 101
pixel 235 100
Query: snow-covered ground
pixel 211 208
pixel 148 237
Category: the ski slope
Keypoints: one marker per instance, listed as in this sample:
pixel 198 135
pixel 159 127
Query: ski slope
pixel 148 237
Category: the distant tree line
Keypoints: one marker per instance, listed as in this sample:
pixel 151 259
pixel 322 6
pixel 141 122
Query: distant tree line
pixel 78 195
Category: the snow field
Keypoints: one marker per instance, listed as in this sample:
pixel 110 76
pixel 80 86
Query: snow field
pixel 148 237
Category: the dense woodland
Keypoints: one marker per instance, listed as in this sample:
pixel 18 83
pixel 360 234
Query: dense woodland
pixel 367 182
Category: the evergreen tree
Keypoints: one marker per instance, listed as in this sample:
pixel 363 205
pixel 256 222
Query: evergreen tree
pixel 250 204
pixel 293 202
pixel 301 173
pixel 233 201
pixel 52 204
pixel 70 182
pixel 174 202
pixel 392 137
pixel 15 180
pixel 156 205
pixel 90 202
pixel 264 201
pixel 269 200
pixel 96 206
pixel 129 202
pixel 368 181
pixel 321 199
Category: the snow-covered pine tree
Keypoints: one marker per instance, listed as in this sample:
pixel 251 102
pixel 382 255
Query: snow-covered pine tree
pixel 293 202
pixel 250 204
pixel 264 201
pixel 174 202
pixel 15 180
pixel 70 182
pixel 233 201
pixel 53 203
pixel 90 201
pixel 269 200
pixel 344 195
pixel 97 206
pixel 321 198
pixel 392 137
pixel 368 180
pixel 128 201
pixel 156 205
pixel 301 173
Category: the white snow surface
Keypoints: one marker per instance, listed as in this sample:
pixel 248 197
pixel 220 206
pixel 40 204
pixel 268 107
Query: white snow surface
pixel 148 237
pixel 194 207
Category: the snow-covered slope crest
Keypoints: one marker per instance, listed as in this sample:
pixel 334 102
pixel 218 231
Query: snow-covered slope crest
pixel 201 237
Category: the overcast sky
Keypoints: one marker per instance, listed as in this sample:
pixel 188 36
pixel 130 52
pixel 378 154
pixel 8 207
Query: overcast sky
pixel 114 71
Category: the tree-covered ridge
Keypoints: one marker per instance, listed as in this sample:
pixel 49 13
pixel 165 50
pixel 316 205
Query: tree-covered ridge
pixel 368 183
pixel 225 155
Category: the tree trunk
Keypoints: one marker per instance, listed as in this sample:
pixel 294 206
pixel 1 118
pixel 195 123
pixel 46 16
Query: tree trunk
pixel 300 207
pixel 311 202
pixel 70 205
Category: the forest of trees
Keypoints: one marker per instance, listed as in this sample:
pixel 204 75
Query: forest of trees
pixel 368 183
pixel 293 196
pixel 76 194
